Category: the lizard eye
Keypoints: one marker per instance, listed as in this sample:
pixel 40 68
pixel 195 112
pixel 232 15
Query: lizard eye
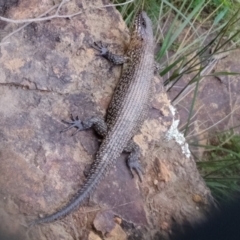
pixel 143 23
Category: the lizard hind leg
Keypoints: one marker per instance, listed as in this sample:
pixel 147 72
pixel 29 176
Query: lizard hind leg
pixel 133 159
pixel 97 123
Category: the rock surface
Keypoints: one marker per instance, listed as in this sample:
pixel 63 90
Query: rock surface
pixel 49 71
pixel 216 107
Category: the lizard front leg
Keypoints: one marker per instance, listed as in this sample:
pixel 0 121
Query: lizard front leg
pixel 104 52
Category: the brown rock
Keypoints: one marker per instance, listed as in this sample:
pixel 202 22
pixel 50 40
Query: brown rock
pixel 117 234
pixel 93 236
pixel 104 222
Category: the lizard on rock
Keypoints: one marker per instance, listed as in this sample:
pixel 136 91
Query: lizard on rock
pixel 125 114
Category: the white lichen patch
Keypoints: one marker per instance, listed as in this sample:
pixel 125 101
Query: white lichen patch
pixel 173 133
pixel 173 110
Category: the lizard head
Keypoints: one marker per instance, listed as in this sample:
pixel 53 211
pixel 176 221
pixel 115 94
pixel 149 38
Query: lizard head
pixel 142 27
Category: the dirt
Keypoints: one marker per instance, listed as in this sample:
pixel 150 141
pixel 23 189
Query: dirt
pixel 49 71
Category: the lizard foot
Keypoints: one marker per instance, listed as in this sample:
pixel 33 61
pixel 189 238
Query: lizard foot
pixel 134 165
pixel 75 123
pixel 102 48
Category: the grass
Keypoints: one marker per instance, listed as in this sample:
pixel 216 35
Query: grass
pixel 220 165
pixel 191 37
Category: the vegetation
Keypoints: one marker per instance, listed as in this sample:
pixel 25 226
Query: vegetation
pixel 221 165
pixel 191 37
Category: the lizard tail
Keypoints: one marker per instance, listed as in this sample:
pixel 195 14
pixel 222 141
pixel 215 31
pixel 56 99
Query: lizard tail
pixel 97 172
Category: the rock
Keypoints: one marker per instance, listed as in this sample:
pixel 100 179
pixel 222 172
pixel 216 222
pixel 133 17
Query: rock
pixel 49 71
pixel 93 236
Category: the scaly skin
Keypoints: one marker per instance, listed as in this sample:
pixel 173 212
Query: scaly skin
pixel 125 113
